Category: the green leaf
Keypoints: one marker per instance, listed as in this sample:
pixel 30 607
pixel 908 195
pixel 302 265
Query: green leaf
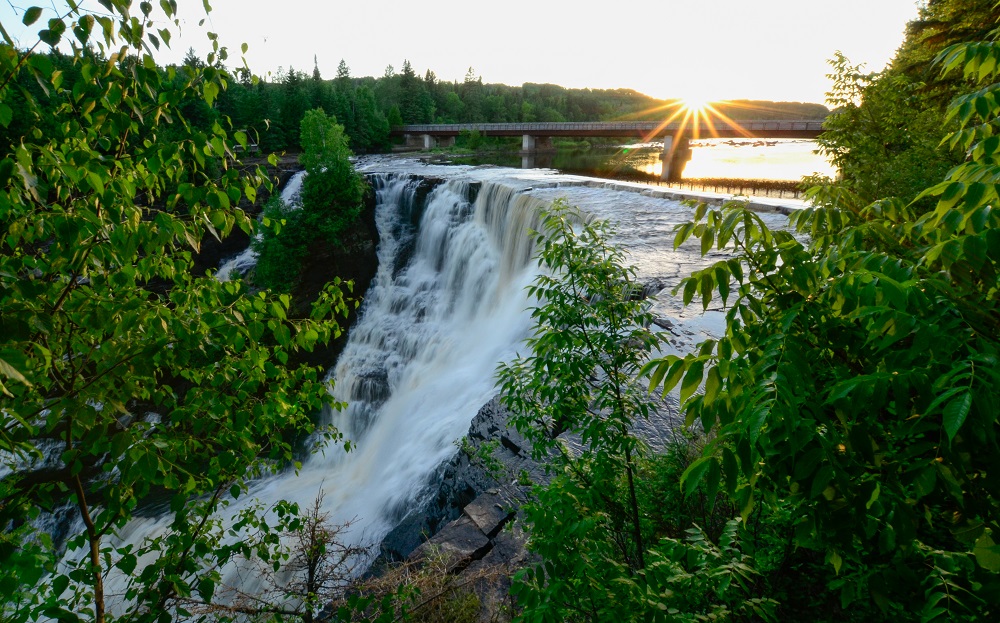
pixel 955 414
pixel 690 288
pixel 53 33
pixel 127 563
pixel 211 92
pixel 683 233
pixel 206 588
pixel 11 372
pixel 834 559
pixel 722 281
pixel 987 553
pixel 659 369
pixel 31 15
pixel 707 238
pixel 712 385
pixel 674 375
pixel 731 470
pixel 694 474
pixel 692 379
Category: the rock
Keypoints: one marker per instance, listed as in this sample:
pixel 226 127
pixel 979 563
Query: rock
pixel 459 543
pixel 496 570
pixel 652 287
pixel 459 481
pixel 354 260
pixel 490 511
pixel 665 323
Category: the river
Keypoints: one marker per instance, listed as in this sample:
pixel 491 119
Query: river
pixel 712 158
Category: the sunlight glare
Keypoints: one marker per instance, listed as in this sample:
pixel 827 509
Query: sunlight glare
pixel 695 104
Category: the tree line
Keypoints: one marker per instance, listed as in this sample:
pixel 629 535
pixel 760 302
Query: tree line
pixel 367 107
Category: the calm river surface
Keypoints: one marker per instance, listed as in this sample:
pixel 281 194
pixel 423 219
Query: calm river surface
pixel 750 159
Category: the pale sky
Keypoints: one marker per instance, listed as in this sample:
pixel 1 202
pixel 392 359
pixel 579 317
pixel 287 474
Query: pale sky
pixel 704 49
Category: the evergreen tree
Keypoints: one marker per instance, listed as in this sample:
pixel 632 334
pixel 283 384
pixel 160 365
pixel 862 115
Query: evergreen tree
pixel 343 74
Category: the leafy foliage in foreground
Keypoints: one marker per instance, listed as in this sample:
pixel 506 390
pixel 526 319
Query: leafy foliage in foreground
pixel 603 559
pixel 855 389
pixel 125 380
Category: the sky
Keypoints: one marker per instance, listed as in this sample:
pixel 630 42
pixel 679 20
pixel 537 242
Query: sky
pixel 695 49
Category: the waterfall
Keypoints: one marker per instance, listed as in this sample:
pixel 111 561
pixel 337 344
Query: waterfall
pixel 419 363
pixel 447 304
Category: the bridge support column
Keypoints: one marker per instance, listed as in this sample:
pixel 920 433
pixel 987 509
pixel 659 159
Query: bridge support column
pixel 429 141
pixel 676 153
pixel 414 141
pixel 532 144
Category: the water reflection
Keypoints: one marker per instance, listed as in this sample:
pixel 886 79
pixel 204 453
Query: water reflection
pixel 749 159
pixel 759 159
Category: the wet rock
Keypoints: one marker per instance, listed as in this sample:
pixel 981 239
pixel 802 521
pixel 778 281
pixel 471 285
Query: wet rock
pixel 461 480
pixel 652 287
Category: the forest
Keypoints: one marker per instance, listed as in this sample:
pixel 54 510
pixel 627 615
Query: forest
pixel 840 450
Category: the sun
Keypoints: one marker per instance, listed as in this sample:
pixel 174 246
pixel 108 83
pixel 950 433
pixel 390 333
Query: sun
pixel 696 104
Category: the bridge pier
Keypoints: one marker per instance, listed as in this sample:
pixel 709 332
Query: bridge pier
pixel 427 141
pixel 676 153
pixel 531 143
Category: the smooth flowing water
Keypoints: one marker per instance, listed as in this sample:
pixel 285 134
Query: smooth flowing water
pixel 447 305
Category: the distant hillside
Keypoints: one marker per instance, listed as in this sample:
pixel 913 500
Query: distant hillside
pixel 757 109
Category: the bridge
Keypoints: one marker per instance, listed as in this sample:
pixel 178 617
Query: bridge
pixel 537 137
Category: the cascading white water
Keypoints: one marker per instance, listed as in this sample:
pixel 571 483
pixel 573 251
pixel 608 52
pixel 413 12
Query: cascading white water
pixel 420 361
pixel 447 304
